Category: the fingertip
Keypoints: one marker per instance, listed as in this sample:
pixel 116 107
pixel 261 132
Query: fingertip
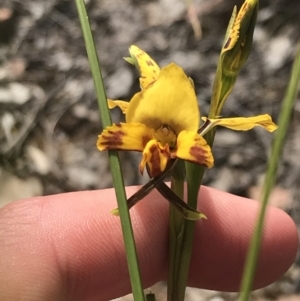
pixel 79 243
pixel 96 236
pixel 72 245
pixel 279 247
pixel 221 242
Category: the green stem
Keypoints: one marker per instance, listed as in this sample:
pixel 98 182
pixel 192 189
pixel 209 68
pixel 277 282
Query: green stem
pixel 175 288
pixel 130 247
pixel 284 121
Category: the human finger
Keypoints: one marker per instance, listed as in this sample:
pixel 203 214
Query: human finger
pixel 68 246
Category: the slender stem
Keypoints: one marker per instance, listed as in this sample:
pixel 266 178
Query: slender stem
pixel 176 289
pixel 284 121
pixel 130 247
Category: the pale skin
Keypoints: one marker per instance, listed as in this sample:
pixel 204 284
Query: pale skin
pixel 69 247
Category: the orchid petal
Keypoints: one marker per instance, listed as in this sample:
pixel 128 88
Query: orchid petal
pixel 194 148
pixel 123 105
pixel 147 67
pixel 156 157
pixel 171 101
pixel 124 136
pixel 244 123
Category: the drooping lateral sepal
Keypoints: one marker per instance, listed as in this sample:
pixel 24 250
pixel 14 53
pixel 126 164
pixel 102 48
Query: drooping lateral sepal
pixel 124 136
pixel 243 123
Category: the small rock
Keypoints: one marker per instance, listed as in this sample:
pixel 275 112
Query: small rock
pixel 39 159
pixel 260 37
pixel 8 122
pixel 20 93
pixel 164 12
pixel 37 9
pixel 236 159
pixel 80 111
pixel 13 69
pixel 224 180
pixel 13 188
pixel 227 138
pixel 82 177
pixel 62 61
pixel 74 89
pixel 119 83
pixel 186 60
pixel 216 298
pixel 15 93
pixel 265 14
pixel 279 49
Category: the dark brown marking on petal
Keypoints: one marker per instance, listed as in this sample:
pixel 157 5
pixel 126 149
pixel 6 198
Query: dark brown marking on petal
pixel 145 140
pixel 227 43
pixel 119 125
pixel 199 154
pixel 149 63
pixel 154 161
pixel 113 140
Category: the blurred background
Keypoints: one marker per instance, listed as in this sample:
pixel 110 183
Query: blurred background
pixel 49 118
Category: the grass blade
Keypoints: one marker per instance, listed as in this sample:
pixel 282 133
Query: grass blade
pixel 283 123
pixel 130 247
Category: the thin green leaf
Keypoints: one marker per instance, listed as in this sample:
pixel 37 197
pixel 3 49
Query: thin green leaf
pixel 176 288
pixel 229 64
pixel 284 121
pixel 134 273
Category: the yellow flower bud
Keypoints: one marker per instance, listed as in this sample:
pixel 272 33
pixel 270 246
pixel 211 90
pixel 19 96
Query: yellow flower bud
pixel 238 40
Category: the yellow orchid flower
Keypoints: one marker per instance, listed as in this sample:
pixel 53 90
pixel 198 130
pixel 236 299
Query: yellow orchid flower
pixel 162 120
